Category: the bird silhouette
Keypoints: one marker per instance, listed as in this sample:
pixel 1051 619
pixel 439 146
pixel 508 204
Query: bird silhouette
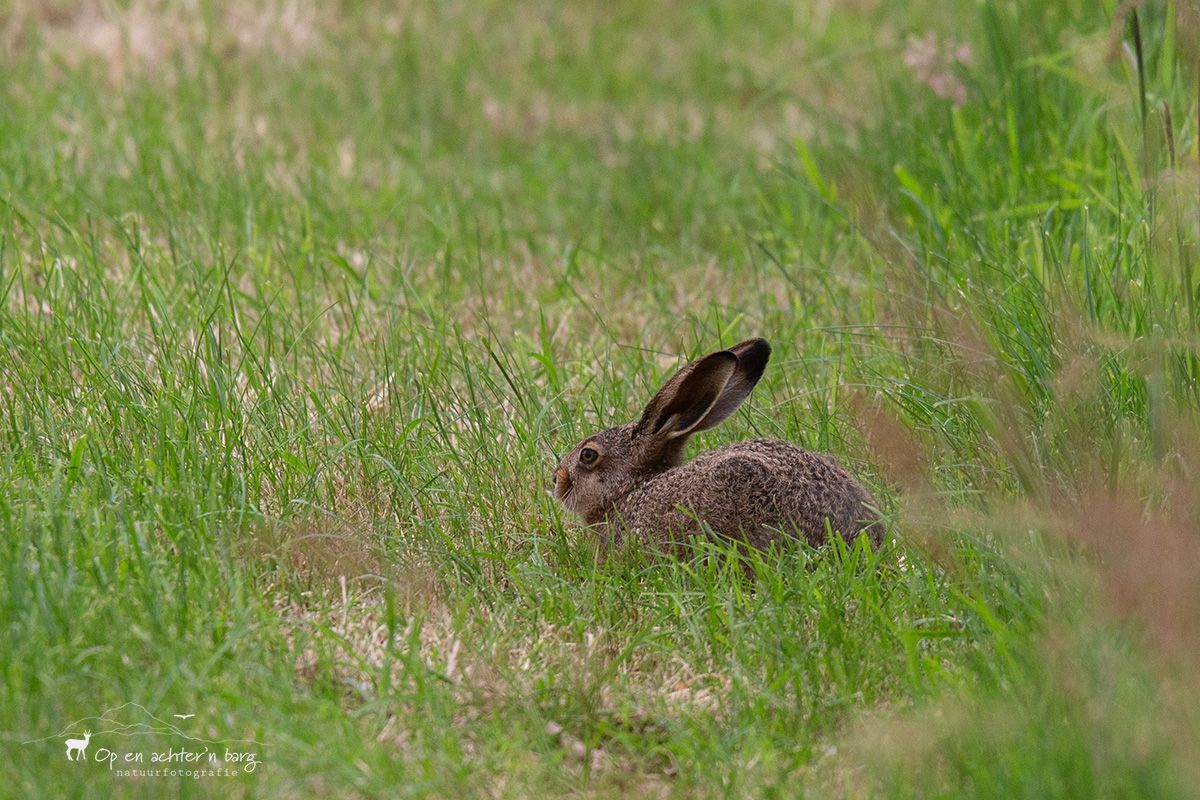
pixel 185 716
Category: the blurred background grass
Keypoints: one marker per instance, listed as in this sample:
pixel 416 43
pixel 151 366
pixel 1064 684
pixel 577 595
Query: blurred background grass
pixel 300 300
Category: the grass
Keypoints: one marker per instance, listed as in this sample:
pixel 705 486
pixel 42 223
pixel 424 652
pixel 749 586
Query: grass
pixel 300 301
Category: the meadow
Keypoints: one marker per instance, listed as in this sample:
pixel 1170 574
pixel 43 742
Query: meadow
pixel 300 301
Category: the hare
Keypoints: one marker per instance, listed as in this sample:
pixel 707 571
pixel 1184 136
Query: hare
pixel 633 480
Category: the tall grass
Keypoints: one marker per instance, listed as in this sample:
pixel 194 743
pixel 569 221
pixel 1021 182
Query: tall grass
pixel 300 302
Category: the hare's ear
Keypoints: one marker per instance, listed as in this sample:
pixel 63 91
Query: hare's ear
pixel 752 356
pixel 686 397
pixel 705 392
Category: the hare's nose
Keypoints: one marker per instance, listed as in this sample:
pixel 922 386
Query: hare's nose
pixel 562 480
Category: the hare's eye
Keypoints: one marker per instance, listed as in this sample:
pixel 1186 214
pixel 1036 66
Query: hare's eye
pixel 588 456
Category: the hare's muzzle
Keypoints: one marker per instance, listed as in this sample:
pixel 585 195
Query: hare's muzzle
pixel 562 482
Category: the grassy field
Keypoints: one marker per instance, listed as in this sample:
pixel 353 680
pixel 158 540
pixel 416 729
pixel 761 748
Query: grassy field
pixel 298 302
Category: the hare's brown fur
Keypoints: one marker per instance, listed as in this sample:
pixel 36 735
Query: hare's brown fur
pixel 753 491
pixel 632 479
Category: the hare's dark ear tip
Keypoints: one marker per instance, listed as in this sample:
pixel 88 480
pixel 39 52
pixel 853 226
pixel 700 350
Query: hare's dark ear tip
pixel 756 345
pixel 753 355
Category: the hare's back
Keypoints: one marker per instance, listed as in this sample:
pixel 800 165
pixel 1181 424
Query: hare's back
pixel 750 490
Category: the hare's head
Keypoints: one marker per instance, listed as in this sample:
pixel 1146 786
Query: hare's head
pixel 605 466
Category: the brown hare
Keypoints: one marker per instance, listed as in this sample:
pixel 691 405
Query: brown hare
pixel 632 479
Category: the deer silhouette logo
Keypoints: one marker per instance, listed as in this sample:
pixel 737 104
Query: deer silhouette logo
pixel 78 747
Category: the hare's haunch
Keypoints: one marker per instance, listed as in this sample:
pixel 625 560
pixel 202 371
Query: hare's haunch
pixel 632 479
